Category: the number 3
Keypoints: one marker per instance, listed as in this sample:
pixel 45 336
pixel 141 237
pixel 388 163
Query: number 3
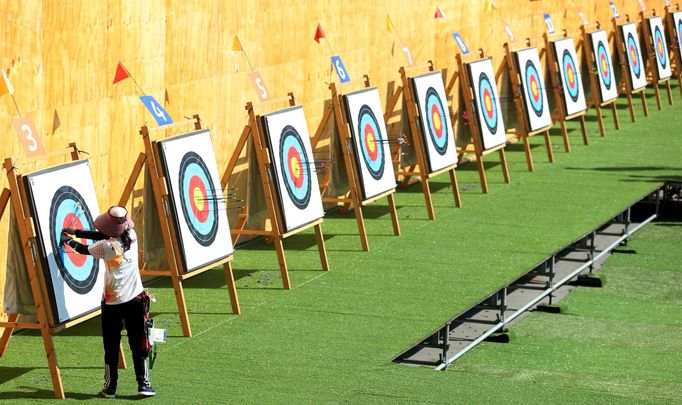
pixel 33 143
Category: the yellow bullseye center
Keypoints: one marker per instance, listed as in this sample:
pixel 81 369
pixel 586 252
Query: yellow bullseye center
pixel 488 103
pixel 198 198
pixel 534 87
pixel 296 167
pixel 371 143
pixel 435 117
pixel 571 75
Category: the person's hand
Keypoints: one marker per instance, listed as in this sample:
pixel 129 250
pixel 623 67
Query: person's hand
pixel 64 240
pixel 70 230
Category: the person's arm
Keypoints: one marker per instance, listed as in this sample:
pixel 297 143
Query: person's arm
pixel 82 233
pixel 102 249
pixel 78 247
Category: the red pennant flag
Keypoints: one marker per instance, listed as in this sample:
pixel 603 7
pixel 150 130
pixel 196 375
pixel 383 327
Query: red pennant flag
pixel 319 34
pixel 439 13
pixel 121 73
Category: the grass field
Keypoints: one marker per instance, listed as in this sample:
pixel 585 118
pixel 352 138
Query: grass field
pixel 332 338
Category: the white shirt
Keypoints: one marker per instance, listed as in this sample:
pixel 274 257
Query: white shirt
pixel 122 280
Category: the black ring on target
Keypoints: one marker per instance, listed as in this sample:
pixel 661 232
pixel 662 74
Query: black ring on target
pixel 660 47
pixel 485 93
pixel 570 73
pixel 198 199
pixel 633 51
pixel 537 102
pixel 679 35
pixel 371 142
pixel 435 118
pixel 68 208
pixel 604 65
pixel 295 167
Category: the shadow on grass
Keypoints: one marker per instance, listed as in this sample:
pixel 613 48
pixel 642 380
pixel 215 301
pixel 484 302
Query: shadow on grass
pixel 639 177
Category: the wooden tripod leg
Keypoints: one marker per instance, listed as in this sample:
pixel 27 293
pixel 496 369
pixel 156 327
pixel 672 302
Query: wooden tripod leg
pixel 182 307
pixel 481 174
pixel 455 188
pixel 564 135
pixel 505 167
pixel 600 119
pixel 529 156
pixel 321 248
pixel 548 144
pixel 645 107
pixel 360 219
pixel 670 92
pixel 427 197
pixel 231 288
pixel 394 214
pixel 657 92
pixel 7 333
pixel 52 362
pixel 614 109
pixel 583 128
pixel 122 364
pixel 283 270
pixel 631 105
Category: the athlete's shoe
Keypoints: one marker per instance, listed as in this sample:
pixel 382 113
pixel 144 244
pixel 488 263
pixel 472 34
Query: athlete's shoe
pixel 109 393
pixel 146 390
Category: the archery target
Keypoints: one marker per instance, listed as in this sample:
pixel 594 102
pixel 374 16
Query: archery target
pixel 660 48
pixel 293 167
pixel 434 119
pixel 677 25
pixel 370 142
pixel 61 197
pixel 608 87
pixel 486 103
pixel 533 89
pixel 636 68
pixel 197 202
pixel 569 74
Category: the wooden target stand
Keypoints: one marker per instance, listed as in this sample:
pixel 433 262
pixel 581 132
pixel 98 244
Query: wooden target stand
pixel 644 17
pixel 524 132
pixel 673 46
pixel 562 116
pixel 276 234
pixel 592 62
pixel 353 199
pixel 474 125
pixel 175 269
pixel 34 267
pixel 625 84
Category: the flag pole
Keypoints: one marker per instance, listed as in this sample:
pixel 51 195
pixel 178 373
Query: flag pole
pixel 15 104
pixel 133 79
pixel 393 30
pixel 246 55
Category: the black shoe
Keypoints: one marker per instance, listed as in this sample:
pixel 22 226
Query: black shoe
pixel 146 390
pixel 109 392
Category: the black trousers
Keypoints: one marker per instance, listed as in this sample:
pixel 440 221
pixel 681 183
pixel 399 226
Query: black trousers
pixel 114 317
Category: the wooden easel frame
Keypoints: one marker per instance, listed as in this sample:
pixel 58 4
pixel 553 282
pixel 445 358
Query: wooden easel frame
pixel 474 125
pixel 651 57
pixel 673 47
pixel 354 196
pixel 562 116
pixel 16 193
pixel 625 83
pixel 521 109
pixel 151 158
pixel 254 131
pixel 590 58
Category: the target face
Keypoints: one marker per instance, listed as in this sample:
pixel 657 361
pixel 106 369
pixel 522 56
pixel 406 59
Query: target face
pixel 488 112
pixel 533 89
pixel 199 199
pixel 293 167
pixel 62 197
pixel 572 89
pixel 677 25
pixel 197 203
pixel 602 57
pixel 634 56
pixel 663 69
pixel 435 127
pixel 370 146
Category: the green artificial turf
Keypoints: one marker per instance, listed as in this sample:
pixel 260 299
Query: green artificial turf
pixel 332 338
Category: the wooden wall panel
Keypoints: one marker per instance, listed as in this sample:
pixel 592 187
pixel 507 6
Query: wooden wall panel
pixel 62 54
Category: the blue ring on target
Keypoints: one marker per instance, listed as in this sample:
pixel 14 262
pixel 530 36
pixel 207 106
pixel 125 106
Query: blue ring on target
pixel 679 35
pixel 67 201
pixel 433 101
pixel 375 164
pixel 290 141
pixel 635 63
pixel 606 76
pixel 567 63
pixel 660 52
pixel 539 104
pixel 193 172
pixel 484 84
